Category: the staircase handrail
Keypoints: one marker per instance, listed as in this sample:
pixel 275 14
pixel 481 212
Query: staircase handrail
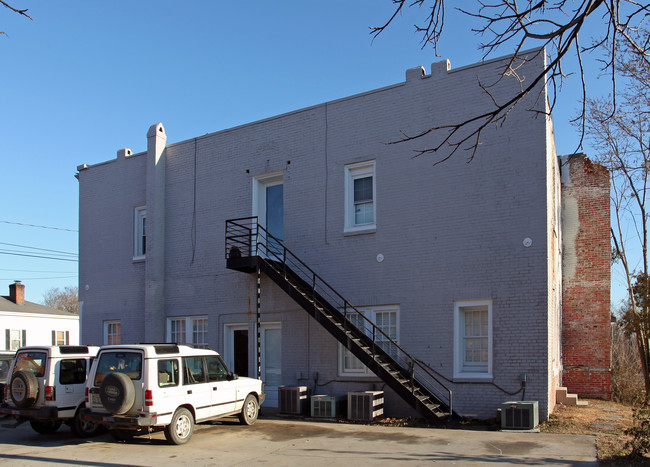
pixel 252 230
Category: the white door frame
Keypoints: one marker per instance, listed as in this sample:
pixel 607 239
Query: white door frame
pixel 260 184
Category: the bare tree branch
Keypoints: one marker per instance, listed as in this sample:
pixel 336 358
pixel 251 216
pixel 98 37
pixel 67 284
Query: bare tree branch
pixel 15 10
pixel 523 25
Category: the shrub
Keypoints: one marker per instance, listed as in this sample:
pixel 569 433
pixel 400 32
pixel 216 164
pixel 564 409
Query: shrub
pixel 627 376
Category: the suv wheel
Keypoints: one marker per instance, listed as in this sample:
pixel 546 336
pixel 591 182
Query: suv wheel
pixel 180 430
pixel 83 428
pixel 24 388
pixel 117 393
pixel 45 427
pixel 249 411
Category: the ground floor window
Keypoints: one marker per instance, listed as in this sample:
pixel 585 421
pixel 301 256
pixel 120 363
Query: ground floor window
pixel 386 318
pixel 188 330
pixel 112 332
pixel 473 339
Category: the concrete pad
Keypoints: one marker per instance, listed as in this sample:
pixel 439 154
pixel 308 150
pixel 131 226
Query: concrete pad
pixel 295 442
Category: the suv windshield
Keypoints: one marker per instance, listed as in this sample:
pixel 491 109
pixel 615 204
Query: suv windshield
pixel 31 361
pixel 129 363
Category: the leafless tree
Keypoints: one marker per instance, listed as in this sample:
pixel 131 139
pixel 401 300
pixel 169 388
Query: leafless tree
pixel 621 136
pixel 22 12
pixel 65 300
pixel 515 26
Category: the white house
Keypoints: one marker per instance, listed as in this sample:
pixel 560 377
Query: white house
pixel 27 323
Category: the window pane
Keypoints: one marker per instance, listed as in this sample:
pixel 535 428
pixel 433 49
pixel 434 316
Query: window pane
pixel 31 361
pixel 475 340
pixel 177 330
pixel 129 363
pixel 167 373
pixel 216 369
pixel 194 373
pixel 72 371
pixel 200 331
pixel 364 213
pixel 362 189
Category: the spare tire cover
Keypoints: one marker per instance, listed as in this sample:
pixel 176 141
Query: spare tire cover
pixel 23 388
pixel 117 393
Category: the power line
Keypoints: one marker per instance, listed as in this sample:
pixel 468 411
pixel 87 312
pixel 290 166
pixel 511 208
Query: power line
pixel 37 256
pixel 32 270
pixel 40 249
pixel 38 278
pixel 38 226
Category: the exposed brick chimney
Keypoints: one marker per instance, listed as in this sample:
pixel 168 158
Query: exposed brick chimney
pixel 17 293
pixel 586 315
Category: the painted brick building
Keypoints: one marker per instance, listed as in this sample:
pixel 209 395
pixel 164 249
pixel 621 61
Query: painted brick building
pixel 461 264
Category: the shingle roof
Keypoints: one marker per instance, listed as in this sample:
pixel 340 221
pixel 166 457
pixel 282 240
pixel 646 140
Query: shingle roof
pixel 29 307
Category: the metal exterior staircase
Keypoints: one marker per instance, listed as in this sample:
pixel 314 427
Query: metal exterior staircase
pixel 249 246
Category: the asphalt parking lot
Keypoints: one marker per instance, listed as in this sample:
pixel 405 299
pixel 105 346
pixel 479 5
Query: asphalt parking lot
pixel 279 441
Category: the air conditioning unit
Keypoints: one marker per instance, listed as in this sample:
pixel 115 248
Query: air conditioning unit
pixel 327 406
pixel 365 406
pixel 519 415
pixel 293 400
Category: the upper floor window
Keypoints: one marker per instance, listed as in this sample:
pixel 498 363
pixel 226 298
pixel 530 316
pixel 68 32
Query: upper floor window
pixel 360 198
pixel 140 233
pixel 473 339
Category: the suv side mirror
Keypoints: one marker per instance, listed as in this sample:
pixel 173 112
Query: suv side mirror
pixel 232 376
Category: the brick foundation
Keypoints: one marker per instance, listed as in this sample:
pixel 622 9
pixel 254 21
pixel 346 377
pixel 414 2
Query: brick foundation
pixel 586 334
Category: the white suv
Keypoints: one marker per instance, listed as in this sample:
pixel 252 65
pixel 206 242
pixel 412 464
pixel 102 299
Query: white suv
pixel 46 386
pixel 133 389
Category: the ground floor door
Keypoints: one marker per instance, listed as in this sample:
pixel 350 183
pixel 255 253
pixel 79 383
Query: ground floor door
pixel 241 355
pixel 271 361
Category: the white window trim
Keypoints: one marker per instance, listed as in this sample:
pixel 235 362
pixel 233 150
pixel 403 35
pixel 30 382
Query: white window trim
pixel 106 327
pixel 189 328
pixel 370 312
pixel 353 171
pixel 459 373
pixel 65 338
pixel 21 339
pixel 140 213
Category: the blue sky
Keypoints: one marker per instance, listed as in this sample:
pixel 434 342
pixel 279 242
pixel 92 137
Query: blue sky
pixel 86 78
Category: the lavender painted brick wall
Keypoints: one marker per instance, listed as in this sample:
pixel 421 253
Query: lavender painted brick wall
pixel 448 233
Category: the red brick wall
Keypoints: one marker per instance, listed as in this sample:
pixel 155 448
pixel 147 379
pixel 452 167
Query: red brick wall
pixel 586 334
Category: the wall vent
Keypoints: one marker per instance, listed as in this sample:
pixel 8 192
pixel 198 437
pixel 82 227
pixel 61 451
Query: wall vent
pixel 365 406
pixel 519 415
pixel 327 406
pixel 293 400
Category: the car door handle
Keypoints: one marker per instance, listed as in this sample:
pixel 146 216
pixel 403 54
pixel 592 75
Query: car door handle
pixel 215 388
pixel 189 391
